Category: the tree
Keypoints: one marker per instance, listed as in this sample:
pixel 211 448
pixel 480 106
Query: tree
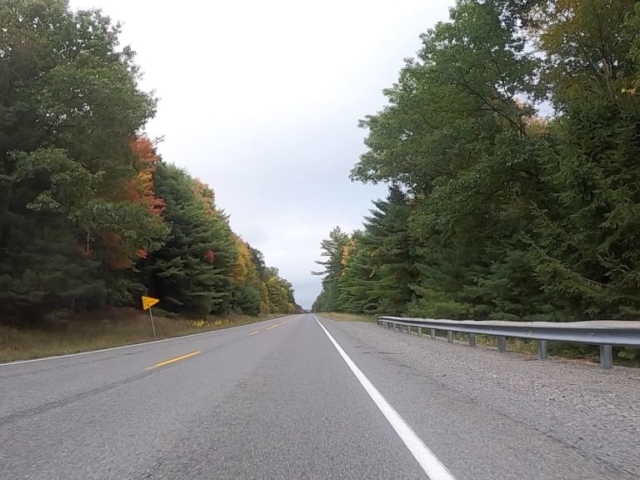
pixel 70 106
pixel 333 249
pixel 392 253
pixel 191 270
pixel 356 285
pixel 89 215
pixel 248 276
pixel 372 271
pixel 586 235
pixel 457 134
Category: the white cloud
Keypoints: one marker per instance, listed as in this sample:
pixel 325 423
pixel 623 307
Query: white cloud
pixel 261 100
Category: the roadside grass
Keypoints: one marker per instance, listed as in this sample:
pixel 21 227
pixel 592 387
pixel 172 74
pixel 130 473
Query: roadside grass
pixel 114 328
pixel 349 317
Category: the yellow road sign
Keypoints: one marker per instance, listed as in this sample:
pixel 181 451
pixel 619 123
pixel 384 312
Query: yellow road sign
pixel 148 302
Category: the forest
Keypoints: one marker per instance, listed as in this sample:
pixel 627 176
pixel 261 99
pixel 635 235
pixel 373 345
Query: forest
pixel 90 215
pixel 510 145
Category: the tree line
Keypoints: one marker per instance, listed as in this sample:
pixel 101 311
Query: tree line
pixel 511 148
pixel 90 215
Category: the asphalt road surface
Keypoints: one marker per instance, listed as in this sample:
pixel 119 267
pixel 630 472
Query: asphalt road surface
pixel 297 398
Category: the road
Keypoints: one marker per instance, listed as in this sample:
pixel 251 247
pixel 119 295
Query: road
pixel 300 398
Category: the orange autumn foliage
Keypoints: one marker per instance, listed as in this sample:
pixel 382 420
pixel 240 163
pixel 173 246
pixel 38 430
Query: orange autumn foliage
pixel 203 192
pixel 113 252
pixel 137 189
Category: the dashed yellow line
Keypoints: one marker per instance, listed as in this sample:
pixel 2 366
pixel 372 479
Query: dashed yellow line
pixel 276 325
pixel 172 360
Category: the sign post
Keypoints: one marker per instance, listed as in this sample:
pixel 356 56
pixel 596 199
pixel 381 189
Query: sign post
pixel 147 303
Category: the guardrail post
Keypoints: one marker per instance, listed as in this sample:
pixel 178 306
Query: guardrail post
pixel 542 349
pixel 433 333
pixel 450 337
pixel 606 357
pixel 472 339
pixel 502 344
pixel 419 331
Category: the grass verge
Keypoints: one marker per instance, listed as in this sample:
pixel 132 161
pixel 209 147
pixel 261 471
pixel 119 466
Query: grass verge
pixel 349 317
pixel 113 329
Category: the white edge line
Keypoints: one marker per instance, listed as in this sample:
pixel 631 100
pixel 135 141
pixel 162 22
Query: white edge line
pixel 425 457
pixel 89 352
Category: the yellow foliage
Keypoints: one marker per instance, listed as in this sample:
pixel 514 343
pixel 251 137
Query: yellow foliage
pixel 265 307
pixel 536 125
pixel 630 91
pixel 202 323
pixel 199 323
pixel 243 262
pixel 346 249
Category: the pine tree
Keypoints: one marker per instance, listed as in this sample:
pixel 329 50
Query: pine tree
pixel 387 238
pixel 190 272
pixel 372 271
pixel 333 249
pixel 585 244
pixel 357 280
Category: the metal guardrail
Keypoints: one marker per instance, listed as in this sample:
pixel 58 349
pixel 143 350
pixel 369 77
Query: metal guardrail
pixel 603 333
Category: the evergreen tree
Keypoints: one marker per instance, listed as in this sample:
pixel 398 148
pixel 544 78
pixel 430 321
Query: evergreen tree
pixel 333 249
pixel 191 271
pixel 356 283
pixel 392 255
pixel 585 243
pixel 372 271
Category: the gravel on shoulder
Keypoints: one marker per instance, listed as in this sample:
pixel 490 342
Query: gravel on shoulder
pixel 589 412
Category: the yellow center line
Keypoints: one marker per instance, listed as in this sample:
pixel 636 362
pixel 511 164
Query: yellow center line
pixel 171 360
pixel 253 333
pixel 281 323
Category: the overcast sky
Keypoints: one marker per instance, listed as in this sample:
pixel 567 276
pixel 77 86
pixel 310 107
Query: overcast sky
pixel 260 99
